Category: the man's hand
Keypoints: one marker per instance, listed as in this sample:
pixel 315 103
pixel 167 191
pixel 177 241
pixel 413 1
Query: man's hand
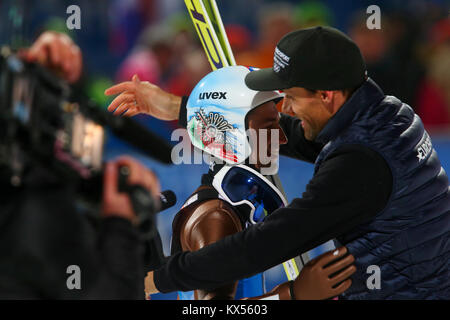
pixel 320 277
pixel 314 281
pixel 57 52
pixel 118 204
pixel 143 97
pixel 150 287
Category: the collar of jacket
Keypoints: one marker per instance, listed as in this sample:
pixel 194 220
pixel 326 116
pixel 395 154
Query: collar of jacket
pixel 368 94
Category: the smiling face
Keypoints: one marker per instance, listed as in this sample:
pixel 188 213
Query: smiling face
pixel 265 117
pixel 314 108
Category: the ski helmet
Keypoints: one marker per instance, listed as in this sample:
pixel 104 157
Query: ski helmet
pixel 216 111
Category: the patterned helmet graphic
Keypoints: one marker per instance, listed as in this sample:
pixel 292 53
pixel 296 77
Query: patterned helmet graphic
pixel 216 111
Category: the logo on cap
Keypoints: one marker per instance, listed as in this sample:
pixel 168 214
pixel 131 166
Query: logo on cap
pixel 280 60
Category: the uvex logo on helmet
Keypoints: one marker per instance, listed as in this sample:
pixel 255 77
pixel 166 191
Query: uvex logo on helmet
pixel 212 95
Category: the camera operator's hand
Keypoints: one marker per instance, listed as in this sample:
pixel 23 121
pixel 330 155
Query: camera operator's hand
pixel 116 203
pixel 57 52
pixel 143 97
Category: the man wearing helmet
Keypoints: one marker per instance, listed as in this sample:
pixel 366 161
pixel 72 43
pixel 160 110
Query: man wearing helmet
pixel 378 185
pixel 209 214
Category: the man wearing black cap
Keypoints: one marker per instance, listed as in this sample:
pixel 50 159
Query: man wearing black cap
pixel 378 186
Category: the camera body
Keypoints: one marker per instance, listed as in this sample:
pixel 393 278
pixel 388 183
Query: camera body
pixel 42 123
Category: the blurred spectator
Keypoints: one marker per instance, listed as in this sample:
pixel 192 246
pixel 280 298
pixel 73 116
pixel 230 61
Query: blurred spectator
pixel 312 13
pixel 193 67
pixel 151 56
pixel 239 37
pixel 390 54
pixel 127 19
pixel 189 62
pixel 275 20
pixel 169 55
pixel 433 103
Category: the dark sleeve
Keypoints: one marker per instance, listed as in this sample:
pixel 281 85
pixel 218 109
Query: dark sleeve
pixel 121 265
pixel 110 259
pixel 49 234
pixel 182 116
pixel 297 147
pixel 350 188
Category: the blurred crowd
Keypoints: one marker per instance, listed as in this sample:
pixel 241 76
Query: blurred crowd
pixel 409 57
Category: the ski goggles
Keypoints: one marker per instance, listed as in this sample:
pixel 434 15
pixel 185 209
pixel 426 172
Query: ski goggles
pixel 240 184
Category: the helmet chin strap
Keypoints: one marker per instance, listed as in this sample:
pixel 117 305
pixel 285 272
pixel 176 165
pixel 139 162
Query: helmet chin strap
pixel 274 160
pixel 214 166
pixel 243 210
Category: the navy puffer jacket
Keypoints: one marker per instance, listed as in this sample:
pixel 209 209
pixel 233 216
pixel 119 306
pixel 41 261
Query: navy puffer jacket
pixel 409 239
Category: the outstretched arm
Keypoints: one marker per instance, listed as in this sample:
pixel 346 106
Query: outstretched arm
pixel 142 97
pixel 136 96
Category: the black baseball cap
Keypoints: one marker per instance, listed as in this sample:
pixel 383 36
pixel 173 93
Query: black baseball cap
pixel 318 58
